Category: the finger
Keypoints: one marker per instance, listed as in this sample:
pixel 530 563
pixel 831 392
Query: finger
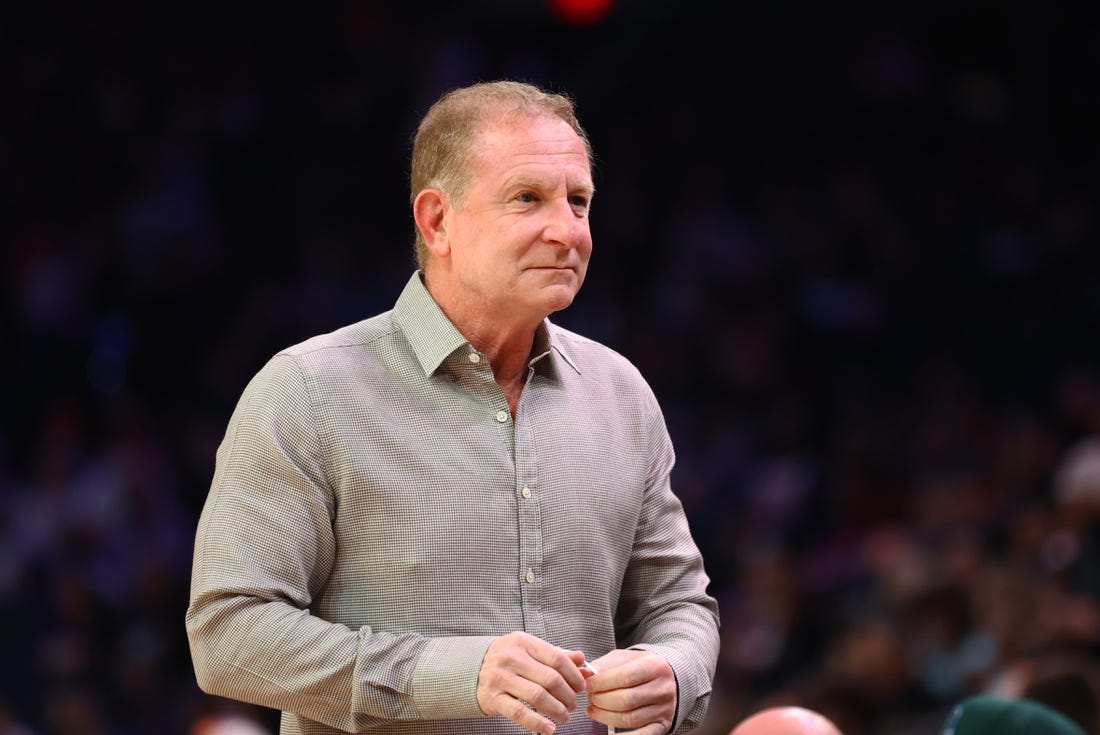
pixel 524 657
pixel 632 698
pixel 540 699
pixel 654 701
pixel 633 673
pixel 580 661
pixel 566 663
pixel 652 716
pixel 651 729
pixel 577 657
pixel 509 669
pixel 552 669
pixel 519 713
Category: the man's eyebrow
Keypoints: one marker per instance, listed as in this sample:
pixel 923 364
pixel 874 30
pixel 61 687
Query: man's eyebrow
pixel 526 181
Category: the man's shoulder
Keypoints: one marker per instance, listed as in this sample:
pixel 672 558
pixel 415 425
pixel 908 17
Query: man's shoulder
pixel 589 356
pixel 357 338
pixel 609 378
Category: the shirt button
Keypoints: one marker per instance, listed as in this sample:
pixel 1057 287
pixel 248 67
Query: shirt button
pixel 475 358
pixel 525 492
pixel 502 416
pixel 530 577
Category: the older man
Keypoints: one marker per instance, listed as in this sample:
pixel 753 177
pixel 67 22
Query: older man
pixel 425 521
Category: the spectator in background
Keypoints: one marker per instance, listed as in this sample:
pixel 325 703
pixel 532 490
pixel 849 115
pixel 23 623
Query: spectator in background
pixel 1066 680
pixel 432 516
pixel 227 724
pixel 984 715
pixel 1077 493
pixel 786 721
pixel 1068 692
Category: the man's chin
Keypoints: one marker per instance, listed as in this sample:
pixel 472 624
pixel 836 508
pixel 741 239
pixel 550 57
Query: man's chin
pixel 557 298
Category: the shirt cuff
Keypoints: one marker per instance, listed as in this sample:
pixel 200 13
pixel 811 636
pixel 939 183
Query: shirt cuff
pixel 444 683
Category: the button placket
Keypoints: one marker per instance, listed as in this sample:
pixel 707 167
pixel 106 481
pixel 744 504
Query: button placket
pixel 527 499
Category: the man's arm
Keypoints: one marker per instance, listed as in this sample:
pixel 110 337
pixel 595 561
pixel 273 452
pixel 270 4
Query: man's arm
pixel 664 609
pixel 264 550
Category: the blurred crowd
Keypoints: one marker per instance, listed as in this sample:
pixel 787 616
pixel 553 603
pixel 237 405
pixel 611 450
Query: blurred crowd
pixel 853 249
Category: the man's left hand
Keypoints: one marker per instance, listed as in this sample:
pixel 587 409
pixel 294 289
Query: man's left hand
pixel 634 689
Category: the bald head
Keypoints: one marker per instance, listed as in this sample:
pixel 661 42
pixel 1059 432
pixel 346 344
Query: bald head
pixel 786 721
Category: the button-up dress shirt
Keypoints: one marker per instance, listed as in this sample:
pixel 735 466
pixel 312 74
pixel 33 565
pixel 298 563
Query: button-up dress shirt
pixel 377 517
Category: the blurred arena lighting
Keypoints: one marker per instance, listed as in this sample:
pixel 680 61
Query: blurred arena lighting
pixel 581 12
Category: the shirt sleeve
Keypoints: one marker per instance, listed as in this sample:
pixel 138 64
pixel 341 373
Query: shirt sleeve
pixel 664 606
pixel 264 549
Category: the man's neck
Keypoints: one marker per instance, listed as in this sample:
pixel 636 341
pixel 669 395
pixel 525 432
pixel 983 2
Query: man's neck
pixel 505 338
pixel 509 354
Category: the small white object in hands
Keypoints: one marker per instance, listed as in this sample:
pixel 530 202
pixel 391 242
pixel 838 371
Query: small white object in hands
pixel 590 667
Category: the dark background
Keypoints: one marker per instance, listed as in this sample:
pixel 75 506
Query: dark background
pixel 853 246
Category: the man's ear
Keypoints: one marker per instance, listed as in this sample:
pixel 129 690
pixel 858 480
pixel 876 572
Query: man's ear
pixel 430 210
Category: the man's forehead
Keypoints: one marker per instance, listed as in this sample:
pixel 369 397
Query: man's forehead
pixel 521 134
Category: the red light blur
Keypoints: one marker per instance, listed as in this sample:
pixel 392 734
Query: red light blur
pixel 581 12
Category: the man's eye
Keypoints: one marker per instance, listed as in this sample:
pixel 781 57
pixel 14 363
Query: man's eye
pixel 526 197
pixel 579 202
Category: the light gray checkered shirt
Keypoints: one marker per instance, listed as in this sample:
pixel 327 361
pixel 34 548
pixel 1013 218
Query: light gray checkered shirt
pixel 376 518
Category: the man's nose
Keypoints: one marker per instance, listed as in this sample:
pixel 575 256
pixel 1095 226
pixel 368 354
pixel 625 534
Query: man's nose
pixel 564 226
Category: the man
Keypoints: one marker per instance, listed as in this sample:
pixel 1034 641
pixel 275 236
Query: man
pixel 424 522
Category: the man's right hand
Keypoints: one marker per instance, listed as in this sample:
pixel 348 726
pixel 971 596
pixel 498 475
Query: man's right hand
pixel 531 682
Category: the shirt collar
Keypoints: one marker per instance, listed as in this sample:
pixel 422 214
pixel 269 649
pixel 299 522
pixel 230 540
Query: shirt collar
pixel 556 342
pixel 433 338
pixel 430 333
